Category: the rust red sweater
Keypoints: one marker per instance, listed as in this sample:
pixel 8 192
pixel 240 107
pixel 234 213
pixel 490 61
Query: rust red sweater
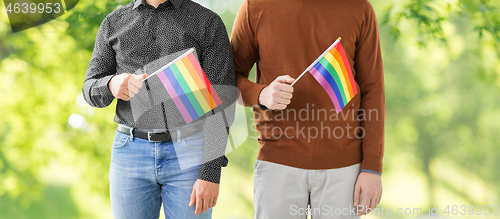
pixel 284 37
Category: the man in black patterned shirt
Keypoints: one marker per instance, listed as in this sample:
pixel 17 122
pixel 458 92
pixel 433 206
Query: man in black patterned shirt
pixel 145 167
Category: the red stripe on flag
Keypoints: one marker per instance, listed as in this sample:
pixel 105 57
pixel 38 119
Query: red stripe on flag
pixel 348 67
pixel 202 74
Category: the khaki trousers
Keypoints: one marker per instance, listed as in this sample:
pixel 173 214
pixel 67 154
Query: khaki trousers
pixel 284 192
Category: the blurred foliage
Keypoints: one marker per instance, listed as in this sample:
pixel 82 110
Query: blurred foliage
pixel 443 109
pixel 430 15
pixel 445 59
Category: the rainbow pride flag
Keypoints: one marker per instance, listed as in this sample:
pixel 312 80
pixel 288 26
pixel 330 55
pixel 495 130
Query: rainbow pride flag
pixel 188 86
pixel 333 72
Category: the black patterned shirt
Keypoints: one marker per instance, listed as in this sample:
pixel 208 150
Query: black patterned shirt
pixel 137 34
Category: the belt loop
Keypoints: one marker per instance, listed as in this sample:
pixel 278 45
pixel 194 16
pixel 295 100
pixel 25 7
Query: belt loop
pixel 178 135
pixel 131 134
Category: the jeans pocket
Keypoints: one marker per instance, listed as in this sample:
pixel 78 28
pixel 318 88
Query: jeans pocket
pixel 120 140
pixel 189 150
pixel 195 142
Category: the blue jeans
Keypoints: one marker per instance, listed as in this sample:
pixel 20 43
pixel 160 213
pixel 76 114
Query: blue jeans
pixel 144 174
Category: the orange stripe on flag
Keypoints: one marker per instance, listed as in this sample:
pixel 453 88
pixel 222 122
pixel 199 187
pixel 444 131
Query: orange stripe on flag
pixel 217 101
pixel 348 66
pixel 199 81
pixel 337 56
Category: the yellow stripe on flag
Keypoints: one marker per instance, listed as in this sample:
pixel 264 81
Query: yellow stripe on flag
pixel 196 91
pixel 336 65
pixel 199 81
pixel 339 59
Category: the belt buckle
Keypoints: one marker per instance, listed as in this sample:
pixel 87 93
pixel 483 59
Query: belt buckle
pixel 149 136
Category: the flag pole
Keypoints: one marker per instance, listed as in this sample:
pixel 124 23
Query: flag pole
pixel 169 64
pixel 317 60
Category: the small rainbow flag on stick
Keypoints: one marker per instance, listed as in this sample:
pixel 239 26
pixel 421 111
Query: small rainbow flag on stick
pixel 188 86
pixel 333 71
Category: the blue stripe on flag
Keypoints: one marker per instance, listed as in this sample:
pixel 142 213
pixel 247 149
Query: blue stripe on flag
pixel 331 81
pixel 180 92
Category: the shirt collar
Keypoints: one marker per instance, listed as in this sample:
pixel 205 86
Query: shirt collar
pixel 176 3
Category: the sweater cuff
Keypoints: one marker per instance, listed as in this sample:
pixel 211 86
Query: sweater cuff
pixel 253 94
pixel 262 107
pixel 211 171
pixel 372 163
pixel 371 171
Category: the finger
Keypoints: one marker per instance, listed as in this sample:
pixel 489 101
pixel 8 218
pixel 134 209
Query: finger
pixel 284 101
pixel 290 80
pixel 366 204
pixel 359 209
pixel 373 203
pixel 126 77
pixel 357 194
pixel 215 202
pixel 282 79
pixel 275 88
pixel 136 81
pixel 210 203
pixel 123 89
pixel 370 203
pixel 285 79
pixel 193 198
pixel 286 88
pixel 379 196
pixel 378 199
pixel 130 95
pixel 206 204
pixel 140 77
pixel 278 106
pixel 125 93
pixel 133 89
pixel 124 96
pixel 135 84
pixel 199 205
pixel 286 95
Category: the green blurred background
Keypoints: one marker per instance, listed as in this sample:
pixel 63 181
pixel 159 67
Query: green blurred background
pixel 442 75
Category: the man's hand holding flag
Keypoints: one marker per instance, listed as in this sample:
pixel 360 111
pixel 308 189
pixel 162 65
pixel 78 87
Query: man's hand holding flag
pixel 125 86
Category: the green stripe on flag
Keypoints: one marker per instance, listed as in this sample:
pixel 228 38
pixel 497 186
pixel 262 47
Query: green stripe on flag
pixel 333 73
pixel 187 90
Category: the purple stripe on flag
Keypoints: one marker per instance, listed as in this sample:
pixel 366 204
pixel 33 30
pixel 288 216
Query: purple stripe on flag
pixel 173 94
pixel 328 88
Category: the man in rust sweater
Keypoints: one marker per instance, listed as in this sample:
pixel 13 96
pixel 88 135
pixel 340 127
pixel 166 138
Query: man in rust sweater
pixel 310 155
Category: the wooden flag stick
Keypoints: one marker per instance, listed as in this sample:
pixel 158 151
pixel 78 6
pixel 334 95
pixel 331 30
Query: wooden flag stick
pixel 317 60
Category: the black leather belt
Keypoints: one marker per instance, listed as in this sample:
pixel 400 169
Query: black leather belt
pixel 153 136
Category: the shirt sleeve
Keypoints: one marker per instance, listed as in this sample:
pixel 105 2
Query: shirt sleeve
pixel 102 68
pixel 217 62
pixel 370 78
pixel 245 55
